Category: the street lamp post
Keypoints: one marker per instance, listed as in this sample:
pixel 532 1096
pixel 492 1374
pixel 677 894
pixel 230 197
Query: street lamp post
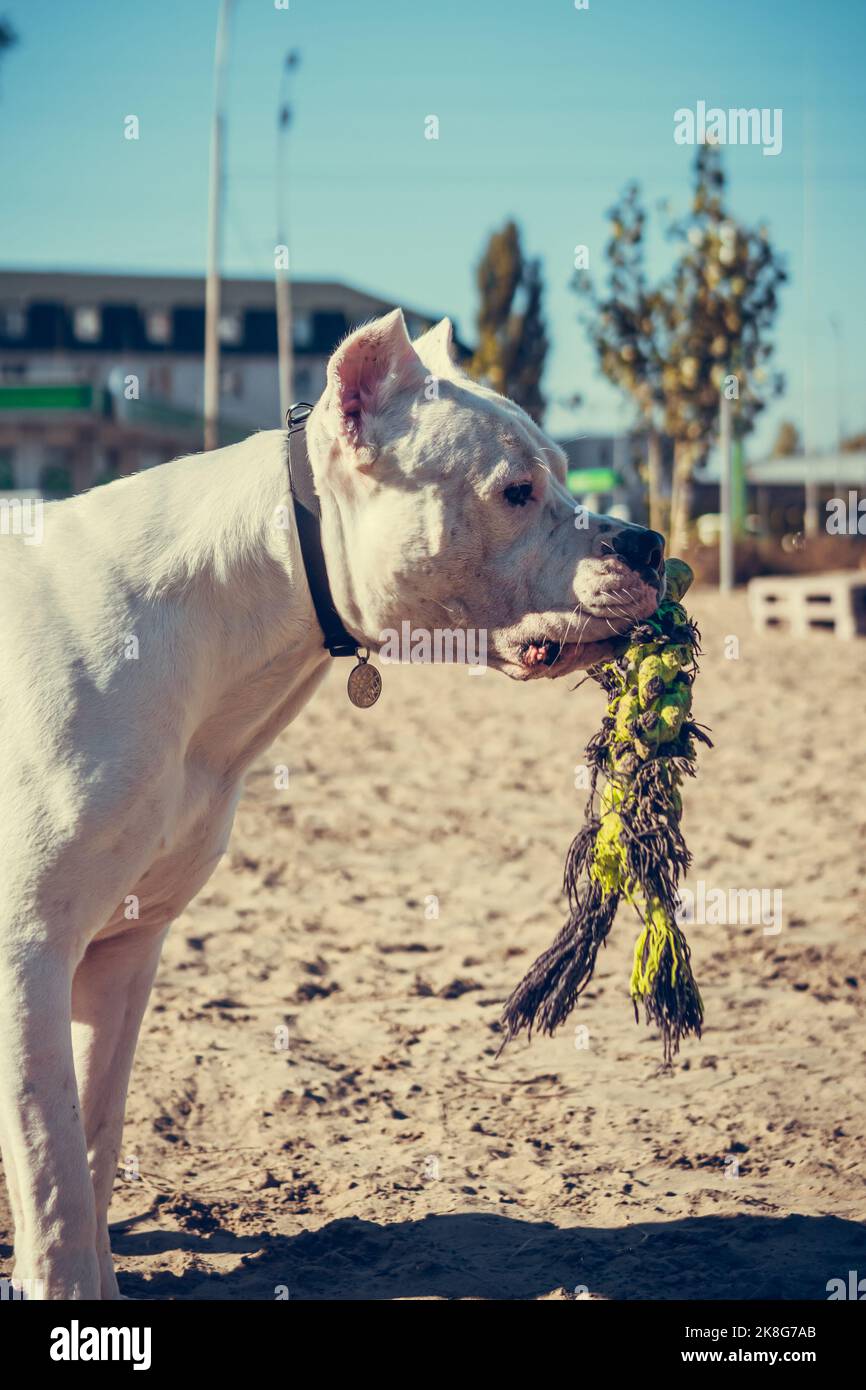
pixel 214 213
pixel 282 264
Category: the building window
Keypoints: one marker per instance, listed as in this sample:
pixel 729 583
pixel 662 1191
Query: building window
pixel 13 321
pixel 159 382
pixel 230 329
pixel 158 322
pixel 260 334
pixel 188 329
pixel 86 324
pixel 7 470
pixel 303 382
pixel 302 330
pixel 329 326
pixel 232 383
pixel 55 479
pixel 110 469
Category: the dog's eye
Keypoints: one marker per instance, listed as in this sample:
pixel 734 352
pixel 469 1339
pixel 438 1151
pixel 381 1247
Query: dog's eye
pixel 518 494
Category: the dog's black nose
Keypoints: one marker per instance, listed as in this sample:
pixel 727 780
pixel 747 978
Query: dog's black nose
pixel 640 547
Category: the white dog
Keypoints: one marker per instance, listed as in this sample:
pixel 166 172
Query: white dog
pixel 155 643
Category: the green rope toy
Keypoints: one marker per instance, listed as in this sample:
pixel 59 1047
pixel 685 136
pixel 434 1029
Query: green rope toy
pixel 631 846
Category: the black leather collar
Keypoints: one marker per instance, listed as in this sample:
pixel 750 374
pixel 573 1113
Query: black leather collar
pixel 308 515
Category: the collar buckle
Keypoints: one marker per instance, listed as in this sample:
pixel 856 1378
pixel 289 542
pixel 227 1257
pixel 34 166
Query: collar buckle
pixel 297 416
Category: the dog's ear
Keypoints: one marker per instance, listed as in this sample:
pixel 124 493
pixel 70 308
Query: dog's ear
pixel 436 349
pixel 368 370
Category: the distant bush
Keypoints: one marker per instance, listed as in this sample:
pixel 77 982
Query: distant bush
pixel 55 480
pixel 766 555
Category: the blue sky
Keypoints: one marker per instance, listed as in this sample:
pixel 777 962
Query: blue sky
pixel 545 112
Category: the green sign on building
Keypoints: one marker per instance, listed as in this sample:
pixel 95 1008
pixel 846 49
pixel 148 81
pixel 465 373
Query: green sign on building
pixel 47 397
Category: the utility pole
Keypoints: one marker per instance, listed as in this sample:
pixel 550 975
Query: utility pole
pixel 214 214
pixel 282 265
pixel 726 497
pixel 810 500
pixel 840 397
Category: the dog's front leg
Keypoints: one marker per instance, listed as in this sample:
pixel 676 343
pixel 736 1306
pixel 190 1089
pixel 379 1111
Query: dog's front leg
pixel 109 996
pixel 41 1132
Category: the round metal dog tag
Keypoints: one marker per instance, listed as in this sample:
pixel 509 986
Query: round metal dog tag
pixel 364 684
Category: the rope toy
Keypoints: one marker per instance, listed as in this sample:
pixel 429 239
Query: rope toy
pixel 631 846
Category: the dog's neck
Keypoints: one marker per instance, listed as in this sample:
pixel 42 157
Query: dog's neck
pixel 211 552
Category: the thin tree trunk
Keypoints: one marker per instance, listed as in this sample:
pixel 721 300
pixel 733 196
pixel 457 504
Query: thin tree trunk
pixel 657 518
pixel 681 497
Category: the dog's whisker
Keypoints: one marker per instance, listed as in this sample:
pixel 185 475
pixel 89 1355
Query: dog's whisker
pixel 460 619
pixel 571 619
pixel 564 641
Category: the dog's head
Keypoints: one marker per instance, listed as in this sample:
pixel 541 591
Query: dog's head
pixel 444 506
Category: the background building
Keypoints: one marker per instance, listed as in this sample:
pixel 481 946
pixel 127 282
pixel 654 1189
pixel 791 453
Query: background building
pixel 607 472
pixel 101 375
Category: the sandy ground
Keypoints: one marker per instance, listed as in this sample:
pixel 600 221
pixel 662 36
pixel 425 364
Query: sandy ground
pixel 385 1152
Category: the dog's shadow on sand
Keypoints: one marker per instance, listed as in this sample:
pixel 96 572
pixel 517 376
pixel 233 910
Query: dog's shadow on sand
pixel 488 1256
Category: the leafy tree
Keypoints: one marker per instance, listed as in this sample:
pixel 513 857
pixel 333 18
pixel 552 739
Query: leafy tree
pixel 724 300
pixel 702 329
pixel 788 441
pixel 626 326
pixel 8 37
pixel 512 338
